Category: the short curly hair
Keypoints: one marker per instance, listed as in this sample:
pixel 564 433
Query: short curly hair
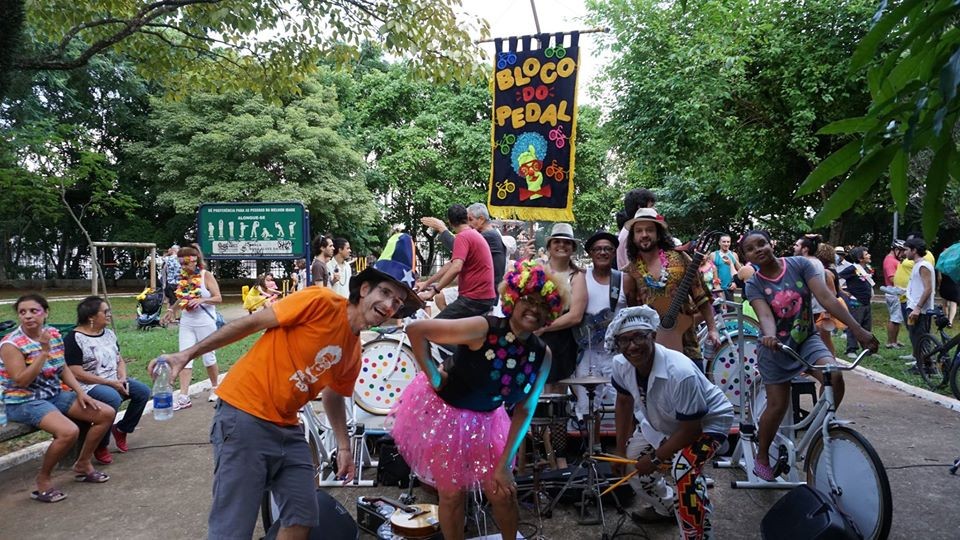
pixel 529 278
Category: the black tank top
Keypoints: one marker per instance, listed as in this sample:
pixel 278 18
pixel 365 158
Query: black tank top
pixel 503 370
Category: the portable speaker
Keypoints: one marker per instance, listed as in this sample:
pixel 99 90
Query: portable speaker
pixel 806 514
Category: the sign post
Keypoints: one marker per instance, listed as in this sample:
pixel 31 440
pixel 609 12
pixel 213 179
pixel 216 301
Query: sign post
pixel 254 230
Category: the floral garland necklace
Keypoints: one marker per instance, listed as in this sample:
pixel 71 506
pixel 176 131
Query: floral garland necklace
pixel 189 286
pixel 648 279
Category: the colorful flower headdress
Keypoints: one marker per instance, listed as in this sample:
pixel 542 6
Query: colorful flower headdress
pixel 529 278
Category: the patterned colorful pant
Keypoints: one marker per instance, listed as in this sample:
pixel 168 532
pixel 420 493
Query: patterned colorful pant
pixel 690 501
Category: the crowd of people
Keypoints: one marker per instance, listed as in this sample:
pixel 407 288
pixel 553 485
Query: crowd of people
pixel 518 324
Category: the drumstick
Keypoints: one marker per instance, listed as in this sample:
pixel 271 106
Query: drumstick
pixel 622 480
pixel 615 459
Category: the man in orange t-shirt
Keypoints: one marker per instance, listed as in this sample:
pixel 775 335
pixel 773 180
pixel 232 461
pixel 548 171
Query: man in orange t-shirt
pixel 311 346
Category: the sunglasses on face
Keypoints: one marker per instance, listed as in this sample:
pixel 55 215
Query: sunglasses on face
pixel 602 249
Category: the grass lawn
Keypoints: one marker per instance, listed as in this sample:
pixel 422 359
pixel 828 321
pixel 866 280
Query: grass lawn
pixel 888 361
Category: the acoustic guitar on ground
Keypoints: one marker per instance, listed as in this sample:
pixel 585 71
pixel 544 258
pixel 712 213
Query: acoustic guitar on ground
pixel 413 521
pixel 673 322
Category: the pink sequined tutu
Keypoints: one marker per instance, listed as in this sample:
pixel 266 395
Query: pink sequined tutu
pixel 452 449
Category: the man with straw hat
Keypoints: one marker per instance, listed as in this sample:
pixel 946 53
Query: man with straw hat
pixel 654 275
pixel 683 419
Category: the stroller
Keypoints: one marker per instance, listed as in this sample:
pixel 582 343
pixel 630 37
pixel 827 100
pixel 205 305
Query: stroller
pixel 149 306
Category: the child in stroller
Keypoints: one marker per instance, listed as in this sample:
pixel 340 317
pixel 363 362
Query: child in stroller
pixel 149 306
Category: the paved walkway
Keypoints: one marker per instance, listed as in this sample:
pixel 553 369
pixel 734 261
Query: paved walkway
pixel 161 488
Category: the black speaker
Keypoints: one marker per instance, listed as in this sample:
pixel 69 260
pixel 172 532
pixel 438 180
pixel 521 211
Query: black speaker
pixel 336 523
pixel 806 514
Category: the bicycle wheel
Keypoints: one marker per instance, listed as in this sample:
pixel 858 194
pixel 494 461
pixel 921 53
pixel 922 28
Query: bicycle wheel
pixel 865 490
pixel 955 376
pixel 387 367
pixel 933 362
pixel 725 370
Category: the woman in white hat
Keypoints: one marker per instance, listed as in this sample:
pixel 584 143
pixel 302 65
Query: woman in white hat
pixel 561 246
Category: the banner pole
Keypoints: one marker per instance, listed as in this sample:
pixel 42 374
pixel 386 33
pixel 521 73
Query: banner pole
pixel 536 20
pixel 598 30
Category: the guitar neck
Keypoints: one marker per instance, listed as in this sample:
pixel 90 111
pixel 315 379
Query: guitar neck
pixel 669 319
pixel 412 510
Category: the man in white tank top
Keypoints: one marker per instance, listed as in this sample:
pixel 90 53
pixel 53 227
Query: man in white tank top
pixel 604 298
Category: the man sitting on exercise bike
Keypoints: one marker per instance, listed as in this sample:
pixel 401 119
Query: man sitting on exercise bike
pixel 683 420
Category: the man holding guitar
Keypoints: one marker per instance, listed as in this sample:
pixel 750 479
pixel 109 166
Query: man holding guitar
pixel 666 280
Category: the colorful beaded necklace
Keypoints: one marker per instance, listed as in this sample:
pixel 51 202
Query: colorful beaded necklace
pixel 648 279
pixel 189 285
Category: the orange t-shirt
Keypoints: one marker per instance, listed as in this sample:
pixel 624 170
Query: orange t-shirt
pixel 289 365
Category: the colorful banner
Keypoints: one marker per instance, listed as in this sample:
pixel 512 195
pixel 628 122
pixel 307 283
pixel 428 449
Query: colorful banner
pixel 534 128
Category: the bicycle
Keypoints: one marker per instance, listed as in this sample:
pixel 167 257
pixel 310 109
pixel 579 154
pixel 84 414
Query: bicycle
pixel 935 362
pixel 837 460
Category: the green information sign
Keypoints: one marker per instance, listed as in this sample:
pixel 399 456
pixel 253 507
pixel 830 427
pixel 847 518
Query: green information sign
pixel 253 230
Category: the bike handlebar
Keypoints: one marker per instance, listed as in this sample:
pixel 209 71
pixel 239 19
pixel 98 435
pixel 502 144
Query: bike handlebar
pixel 384 330
pixel 824 367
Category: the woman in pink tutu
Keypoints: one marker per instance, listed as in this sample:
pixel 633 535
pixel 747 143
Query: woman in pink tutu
pixel 451 426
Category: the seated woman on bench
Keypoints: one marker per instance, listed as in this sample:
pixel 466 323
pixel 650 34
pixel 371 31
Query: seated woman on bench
pixel 31 371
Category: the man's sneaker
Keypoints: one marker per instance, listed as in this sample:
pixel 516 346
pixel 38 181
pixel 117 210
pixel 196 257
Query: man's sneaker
pixel 648 515
pixel 852 355
pixel 183 402
pixel 103 455
pixel 909 358
pixel 120 439
pixel 213 395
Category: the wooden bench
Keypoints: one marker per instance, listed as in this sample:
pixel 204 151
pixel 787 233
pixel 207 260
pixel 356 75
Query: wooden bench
pixel 15 429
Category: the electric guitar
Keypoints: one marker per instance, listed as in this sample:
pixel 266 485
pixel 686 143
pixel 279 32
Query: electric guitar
pixel 673 322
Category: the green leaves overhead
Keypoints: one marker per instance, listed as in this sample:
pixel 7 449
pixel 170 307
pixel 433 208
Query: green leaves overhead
pixel 913 59
pixel 253 44
pixel 836 164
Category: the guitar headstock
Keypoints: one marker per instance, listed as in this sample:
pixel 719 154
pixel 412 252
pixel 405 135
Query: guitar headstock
pixel 704 242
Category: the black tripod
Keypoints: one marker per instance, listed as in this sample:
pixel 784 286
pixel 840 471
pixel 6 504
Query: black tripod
pixel 537 429
pixel 586 475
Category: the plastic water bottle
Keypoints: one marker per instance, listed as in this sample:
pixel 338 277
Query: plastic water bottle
pixel 162 391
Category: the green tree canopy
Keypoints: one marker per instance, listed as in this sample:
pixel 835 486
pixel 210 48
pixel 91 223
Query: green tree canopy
pixel 237 146
pixel 716 106
pixel 256 44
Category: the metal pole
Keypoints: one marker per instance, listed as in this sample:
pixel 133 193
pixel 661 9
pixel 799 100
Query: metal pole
pixel 536 20
pixel 153 268
pixel 93 270
pixel 896 224
pixel 587 31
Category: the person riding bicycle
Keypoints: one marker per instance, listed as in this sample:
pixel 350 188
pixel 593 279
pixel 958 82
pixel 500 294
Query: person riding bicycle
pixel 311 346
pixel 781 292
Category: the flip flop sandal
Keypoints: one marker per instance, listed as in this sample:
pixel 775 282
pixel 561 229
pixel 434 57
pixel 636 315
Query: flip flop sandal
pixel 50 496
pixel 764 472
pixel 93 477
